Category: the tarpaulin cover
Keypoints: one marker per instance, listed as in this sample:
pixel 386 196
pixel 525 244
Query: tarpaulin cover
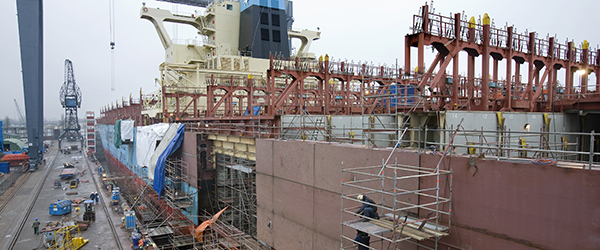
pixel 127 130
pixel 146 137
pixel 117 135
pixel 159 172
pixel 164 143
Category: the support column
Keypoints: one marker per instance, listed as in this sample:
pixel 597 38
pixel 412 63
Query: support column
pixel 485 64
pixel 531 71
pixel 471 78
pixel 455 82
pixel 585 63
pixel 327 93
pixel 551 89
pixel 508 84
pixel 569 72
pixel 250 99
pixel 421 54
pixel 596 69
pixel 407 67
pixel 455 64
pixel 425 30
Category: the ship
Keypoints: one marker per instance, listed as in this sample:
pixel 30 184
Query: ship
pixel 283 143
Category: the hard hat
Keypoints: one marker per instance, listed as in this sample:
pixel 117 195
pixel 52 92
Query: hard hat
pixel 359 197
pixel 35 218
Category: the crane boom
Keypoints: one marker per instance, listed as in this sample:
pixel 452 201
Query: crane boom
pixel 19 112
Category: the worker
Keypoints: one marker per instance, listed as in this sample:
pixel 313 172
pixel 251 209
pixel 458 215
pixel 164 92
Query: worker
pixel 362 238
pixel 77 211
pixel 145 243
pixel 96 196
pixel 36 227
pixel 92 196
pixel 368 208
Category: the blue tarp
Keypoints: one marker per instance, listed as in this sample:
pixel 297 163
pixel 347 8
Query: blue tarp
pixel 159 171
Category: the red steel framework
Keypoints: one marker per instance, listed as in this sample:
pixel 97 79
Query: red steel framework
pixel 451 35
pixel 249 106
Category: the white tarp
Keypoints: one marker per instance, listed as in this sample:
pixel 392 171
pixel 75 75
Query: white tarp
pixel 127 130
pixel 169 135
pixel 146 138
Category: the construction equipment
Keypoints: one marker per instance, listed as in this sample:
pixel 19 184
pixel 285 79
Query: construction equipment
pixel 68 237
pixel 116 196
pixel 74 183
pixel 67 173
pixel 70 99
pixel 60 207
pixel 19 112
pixel 89 211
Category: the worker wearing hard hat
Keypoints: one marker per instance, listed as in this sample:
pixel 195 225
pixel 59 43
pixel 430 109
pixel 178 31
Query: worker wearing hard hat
pixel 36 227
pixel 368 208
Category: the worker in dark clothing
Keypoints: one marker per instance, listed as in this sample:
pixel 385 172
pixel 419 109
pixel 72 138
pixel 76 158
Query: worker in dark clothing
pixel 363 238
pixel 36 227
pixel 96 196
pixel 368 209
pixel 92 196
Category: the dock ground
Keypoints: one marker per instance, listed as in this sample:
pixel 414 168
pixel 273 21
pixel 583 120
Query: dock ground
pixel 99 232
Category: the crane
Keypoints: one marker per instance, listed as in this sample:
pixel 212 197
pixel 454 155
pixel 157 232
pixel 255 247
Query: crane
pixel 30 19
pixel 70 99
pixel 21 117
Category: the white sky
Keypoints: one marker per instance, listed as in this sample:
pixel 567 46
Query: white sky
pixel 353 30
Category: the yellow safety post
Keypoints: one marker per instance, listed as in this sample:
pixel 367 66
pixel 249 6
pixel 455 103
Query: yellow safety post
pixel 523 144
pixel 471 150
pixel 486 19
pixel 472 22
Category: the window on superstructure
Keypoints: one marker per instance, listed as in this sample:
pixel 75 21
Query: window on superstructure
pixel 276 36
pixel 264 18
pixel 229 7
pixel 264 34
pixel 275 20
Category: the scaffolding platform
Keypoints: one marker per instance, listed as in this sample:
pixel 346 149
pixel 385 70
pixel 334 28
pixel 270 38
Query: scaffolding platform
pixel 413 203
pixel 159 231
pixel 175 177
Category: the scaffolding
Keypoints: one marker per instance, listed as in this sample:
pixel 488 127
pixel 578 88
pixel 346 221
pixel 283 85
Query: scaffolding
pixel 175 177
pixel 223 236
pixel 413 203
pixel 236 188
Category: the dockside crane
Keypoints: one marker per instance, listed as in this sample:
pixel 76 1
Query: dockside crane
pixel 70 99
pixel 19 112
pixel 30 19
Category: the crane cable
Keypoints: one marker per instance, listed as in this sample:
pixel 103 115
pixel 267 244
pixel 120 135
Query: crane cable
pixel 111 16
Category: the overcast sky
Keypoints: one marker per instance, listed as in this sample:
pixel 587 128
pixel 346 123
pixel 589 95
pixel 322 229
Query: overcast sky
pixel 354 30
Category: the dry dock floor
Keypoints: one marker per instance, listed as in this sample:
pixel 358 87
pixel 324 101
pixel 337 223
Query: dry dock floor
pixel 99 233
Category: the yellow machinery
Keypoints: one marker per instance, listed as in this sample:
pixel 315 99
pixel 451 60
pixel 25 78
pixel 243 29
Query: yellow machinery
pixel 68 238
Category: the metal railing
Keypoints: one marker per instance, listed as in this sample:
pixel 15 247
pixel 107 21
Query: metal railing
pixel 572 147
pixel 7 181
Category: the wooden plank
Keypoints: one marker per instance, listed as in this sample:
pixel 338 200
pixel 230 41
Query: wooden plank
pixel 408 231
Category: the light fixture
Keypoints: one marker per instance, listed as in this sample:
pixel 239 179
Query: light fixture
pixel 581 72
pixel 527 126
